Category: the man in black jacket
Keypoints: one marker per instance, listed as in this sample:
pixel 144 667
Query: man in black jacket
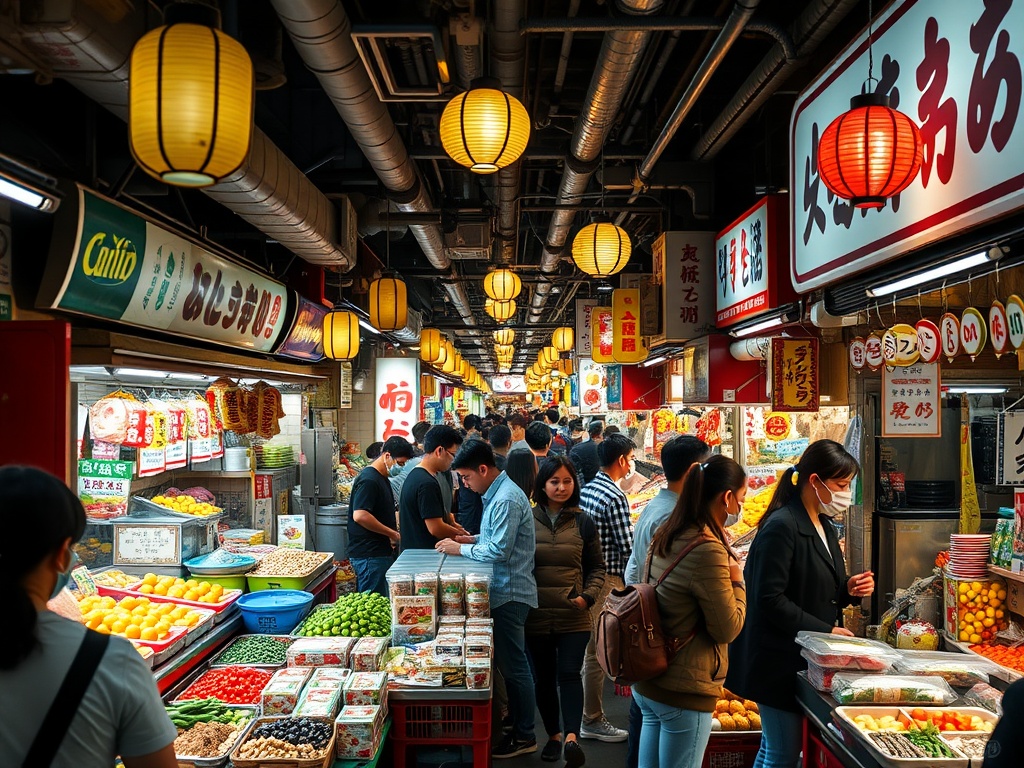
pixel 584 455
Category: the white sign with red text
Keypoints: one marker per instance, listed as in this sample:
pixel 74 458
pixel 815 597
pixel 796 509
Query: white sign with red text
pixel 741 270
pixel 911 401
pixel 686 261
pixel 508 384
pixel 584 311
pixel 955 69
pixel 397 397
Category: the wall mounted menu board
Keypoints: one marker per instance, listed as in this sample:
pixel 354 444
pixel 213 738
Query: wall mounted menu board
pixel 146 544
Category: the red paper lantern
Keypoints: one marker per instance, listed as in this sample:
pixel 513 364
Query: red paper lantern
pixel 870 153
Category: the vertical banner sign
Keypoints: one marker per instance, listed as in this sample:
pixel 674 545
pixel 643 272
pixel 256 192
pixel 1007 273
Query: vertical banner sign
pixel 397 393
pixel 104 487
pixel 627 338
pixel 584 319
pixel 970 510
pixel 686 260
pixel 794 375
pixel 6 288
pixel 614 375
pixel 742 274
pixel 1010 462
pixel 911 401
pixel 601 334
pixel 592 387
pixel 345 382
pixel 263 514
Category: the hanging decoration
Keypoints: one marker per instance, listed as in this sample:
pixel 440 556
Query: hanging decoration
pixel 899 345
pixel 389 304
pixel 998 328
pixel 190 102
pixel 857 353
pixel 1015 320
pixel 928 343
pixel 431 346
pixel 601 335
pixel 484 129
pixel 601 249
pixel 949 333
pixel 428 385
pixel 550 355
pixel 563 339
pixel 973 333
pixel 504 336
pixel 627 342
pixel 503 310
pixel 502 284
pixel 873 351
pixel 341 335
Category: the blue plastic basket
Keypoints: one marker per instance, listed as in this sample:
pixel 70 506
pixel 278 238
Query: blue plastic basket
pixel 274 612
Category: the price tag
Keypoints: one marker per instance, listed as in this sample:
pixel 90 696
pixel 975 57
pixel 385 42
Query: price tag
pixel 84 581
pixel 148 544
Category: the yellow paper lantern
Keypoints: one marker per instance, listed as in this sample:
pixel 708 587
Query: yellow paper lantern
pixel 484 129
pixel 431 347
pixel 563 339
pixel 601 249
pixel 537 371
pixel 341 335
pixel 190 102
pixel 550 355
pixel 489 307
pixel 389 305
pixel 502 284
pixel 504 350
pixel 464 369
pixel 428 385
pixel 451 362
pixel 565 367
pixel 503 310
pixel 505 336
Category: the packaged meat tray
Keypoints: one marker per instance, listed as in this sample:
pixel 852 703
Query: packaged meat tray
pixel 854 688
pixel 320 652
pixel 841 652
pixel 821 677
pixel 957 669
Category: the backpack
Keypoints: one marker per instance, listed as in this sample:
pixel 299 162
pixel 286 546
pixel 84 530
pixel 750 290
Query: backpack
pixel 631 646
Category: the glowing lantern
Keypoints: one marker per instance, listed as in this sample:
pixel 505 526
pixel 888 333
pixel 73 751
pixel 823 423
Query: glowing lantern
pixel 484 129
pixel 341 335
pixel 601 249
pixel 550 355
pixel 503 310
pixel 505 336
pixel 431 346
pixel 502 284
pixel 563 339
pixel 389 305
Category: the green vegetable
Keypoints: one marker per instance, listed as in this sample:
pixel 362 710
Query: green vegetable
pixel 185 714
pixel 354 615
pixel 256 649
pixel 927 739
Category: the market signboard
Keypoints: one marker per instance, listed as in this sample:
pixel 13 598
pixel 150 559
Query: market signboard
pixel 397 397
pixel 593 381
pixel 686 261
pixel 614 388
pixel 627 334
pixel 911 405
pixel 601 334
pixel 794 375
pixel 1010 458
pixel 305 338
pixel 956 70
pixel 741 271
pixel 125 268
pixel 508 384
pixel 584 319
pixel 104 487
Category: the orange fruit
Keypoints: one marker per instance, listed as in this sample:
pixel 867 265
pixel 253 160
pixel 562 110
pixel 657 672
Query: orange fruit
pixel 132 632
pixel 146 589
pixel 149 633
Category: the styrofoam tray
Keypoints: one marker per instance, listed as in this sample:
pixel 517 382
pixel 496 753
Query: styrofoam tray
pixel 204 625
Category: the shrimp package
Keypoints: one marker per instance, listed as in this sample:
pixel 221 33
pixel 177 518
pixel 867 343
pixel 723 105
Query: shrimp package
pixel 413 619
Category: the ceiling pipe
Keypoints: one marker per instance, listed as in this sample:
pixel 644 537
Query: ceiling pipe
pixel 563 60
pixel 508 58
pixel 464 30
pixel 322 33
pixel 621 51
pixel 807 32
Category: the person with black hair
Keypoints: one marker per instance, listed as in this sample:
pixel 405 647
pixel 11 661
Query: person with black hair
pixel 701 599
pixel 569 569
pixel 521 467
pixel 472 424
pixel 611 429
pixel 605 502
pixel 424 516
pixel 372 527
pixel 500 438
pixel 538 437
pixel 71 697
pixel 469 504
pixel 419 431
pixel 373 450
pixel 797 581
pixel 584 455
pixel 518 424
pixel 507 541
pixel 398 476
pixel 1005 748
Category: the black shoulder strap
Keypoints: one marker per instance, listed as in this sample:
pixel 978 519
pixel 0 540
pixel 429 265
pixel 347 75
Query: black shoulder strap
pixel 62 711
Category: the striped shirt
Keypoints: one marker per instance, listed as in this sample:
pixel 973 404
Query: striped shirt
pixel 602 499
pixel 508 540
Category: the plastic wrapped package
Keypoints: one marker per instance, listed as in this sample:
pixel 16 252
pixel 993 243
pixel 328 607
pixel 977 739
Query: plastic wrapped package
pixel 852 688
pixel 821 677
pixel 366 688
pixel 984 695
pixel 368 654
pixel 320 651
pixel 841 652
pixel 359 730
pixel 400 584
pixel 426 584
pixel 917 636
pixel 957 669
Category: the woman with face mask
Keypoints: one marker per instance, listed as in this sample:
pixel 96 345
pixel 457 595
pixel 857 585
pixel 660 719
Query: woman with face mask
pixel 69 696
pixel 701 601
pixel 797 581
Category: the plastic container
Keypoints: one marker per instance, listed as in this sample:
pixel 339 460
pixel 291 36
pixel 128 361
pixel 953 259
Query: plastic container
pixel 846 717
pixel 841 652
pixel 274 612
pixel 957 669
pixel 853 688
pixel 299 582
pixel 220 562
pixel 821 677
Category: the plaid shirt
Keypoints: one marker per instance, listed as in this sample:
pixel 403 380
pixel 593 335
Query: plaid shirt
pixel 602 499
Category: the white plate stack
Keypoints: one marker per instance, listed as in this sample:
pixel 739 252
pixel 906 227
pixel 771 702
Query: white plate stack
pixel 968 555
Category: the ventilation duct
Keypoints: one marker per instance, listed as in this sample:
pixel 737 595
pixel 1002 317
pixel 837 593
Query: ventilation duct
pixel 508 56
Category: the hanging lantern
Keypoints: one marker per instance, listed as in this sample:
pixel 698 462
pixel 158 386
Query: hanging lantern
pixel 450 364
pixel 464 370
pixel 565 367
pixel 428 385
pixel 503 310
pixel 341 335
pixel 504 350
pixel 190 99
pixel 431 347
pixel 601 249
pixel 389 305
pixel 563 339
pixel 537 371
pixel 484 129
pixel 502 284
pixel 870 153
pixel 489 307
pixel 550 355
pixel 505 336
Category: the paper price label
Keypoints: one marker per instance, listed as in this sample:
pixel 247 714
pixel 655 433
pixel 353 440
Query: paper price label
pixel 150 544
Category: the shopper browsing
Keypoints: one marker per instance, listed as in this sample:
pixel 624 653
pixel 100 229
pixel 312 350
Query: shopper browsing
pixel 538 437
pixel 569 569
pixel 607 505
pixel 796 580
pixel 372 527
pixel 584 455
pixel 701 601
pixel 69 697
pixel 506 540
pixel 518 423
pixel 423 514
pixel 500 438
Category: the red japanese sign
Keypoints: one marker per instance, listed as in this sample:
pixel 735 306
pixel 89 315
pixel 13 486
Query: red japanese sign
pixel 397 397
pixel 794 375
pixel 601 334
pixel 911 401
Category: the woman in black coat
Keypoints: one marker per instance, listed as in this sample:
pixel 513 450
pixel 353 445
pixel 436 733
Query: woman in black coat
pixel 796 580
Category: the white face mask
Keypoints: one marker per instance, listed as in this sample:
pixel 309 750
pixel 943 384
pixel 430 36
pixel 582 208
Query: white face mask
pixel 839 503
pixel 731 519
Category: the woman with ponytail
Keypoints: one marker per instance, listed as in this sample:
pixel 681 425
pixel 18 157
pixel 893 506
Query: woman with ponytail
pixel 702 602
pixel 797 581
pixel 69 697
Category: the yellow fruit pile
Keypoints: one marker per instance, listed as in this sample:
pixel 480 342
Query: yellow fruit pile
pixel 187 505
pixel 980 612
pixel 754 507
pixel 735 714
pixel 136 618
pixel 169 586
pixel 885 723
pixel 115 578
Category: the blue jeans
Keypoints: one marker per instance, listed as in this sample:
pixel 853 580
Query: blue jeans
pixel 781 738
pixel 510 656
pixel 370 573
pixel 672 737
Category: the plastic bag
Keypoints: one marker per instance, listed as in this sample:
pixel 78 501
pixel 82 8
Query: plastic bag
pixel 957 669
pixel 903 603
pixel 841 652
pixel 850 688
pixel 985 696
pixel 917 636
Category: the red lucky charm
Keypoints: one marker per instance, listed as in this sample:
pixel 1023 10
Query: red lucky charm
pixel 949 335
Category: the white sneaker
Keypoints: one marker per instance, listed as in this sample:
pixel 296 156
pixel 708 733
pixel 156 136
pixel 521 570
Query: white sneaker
pixel 602 730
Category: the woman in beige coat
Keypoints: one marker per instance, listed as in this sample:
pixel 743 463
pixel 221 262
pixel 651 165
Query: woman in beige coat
pixel 702 602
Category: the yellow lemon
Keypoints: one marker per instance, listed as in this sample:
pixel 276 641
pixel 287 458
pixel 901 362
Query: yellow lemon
pixel 150 579
pixel 160 589
pixel 103 629
pixel 149 633
pixel 132 632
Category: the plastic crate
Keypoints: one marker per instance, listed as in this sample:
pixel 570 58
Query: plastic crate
pixel 732 750
pixel 419 723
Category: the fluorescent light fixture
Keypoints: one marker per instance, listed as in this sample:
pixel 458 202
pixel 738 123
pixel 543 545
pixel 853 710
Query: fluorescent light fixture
pixel 141 373
pixel 652 361
pixel 942 270
pixel 604 287
pixel 971 389
pixel 23 194
pixel 27 186
pixel 368 327
pixel 764 325
pixel 190 376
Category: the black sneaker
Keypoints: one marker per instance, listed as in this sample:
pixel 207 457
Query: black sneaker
pixel 510 746
pixel 506 724
pixel 552 751
pixel 574 756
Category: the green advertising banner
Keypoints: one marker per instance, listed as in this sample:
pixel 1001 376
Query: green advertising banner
pixel 104 487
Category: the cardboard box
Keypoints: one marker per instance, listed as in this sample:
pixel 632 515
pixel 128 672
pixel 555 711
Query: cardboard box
pixel 366 688
pixel 320 652
pixel 358 730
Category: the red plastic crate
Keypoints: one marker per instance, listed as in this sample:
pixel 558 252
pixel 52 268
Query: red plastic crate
pixel 732 750
pixel 418 723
